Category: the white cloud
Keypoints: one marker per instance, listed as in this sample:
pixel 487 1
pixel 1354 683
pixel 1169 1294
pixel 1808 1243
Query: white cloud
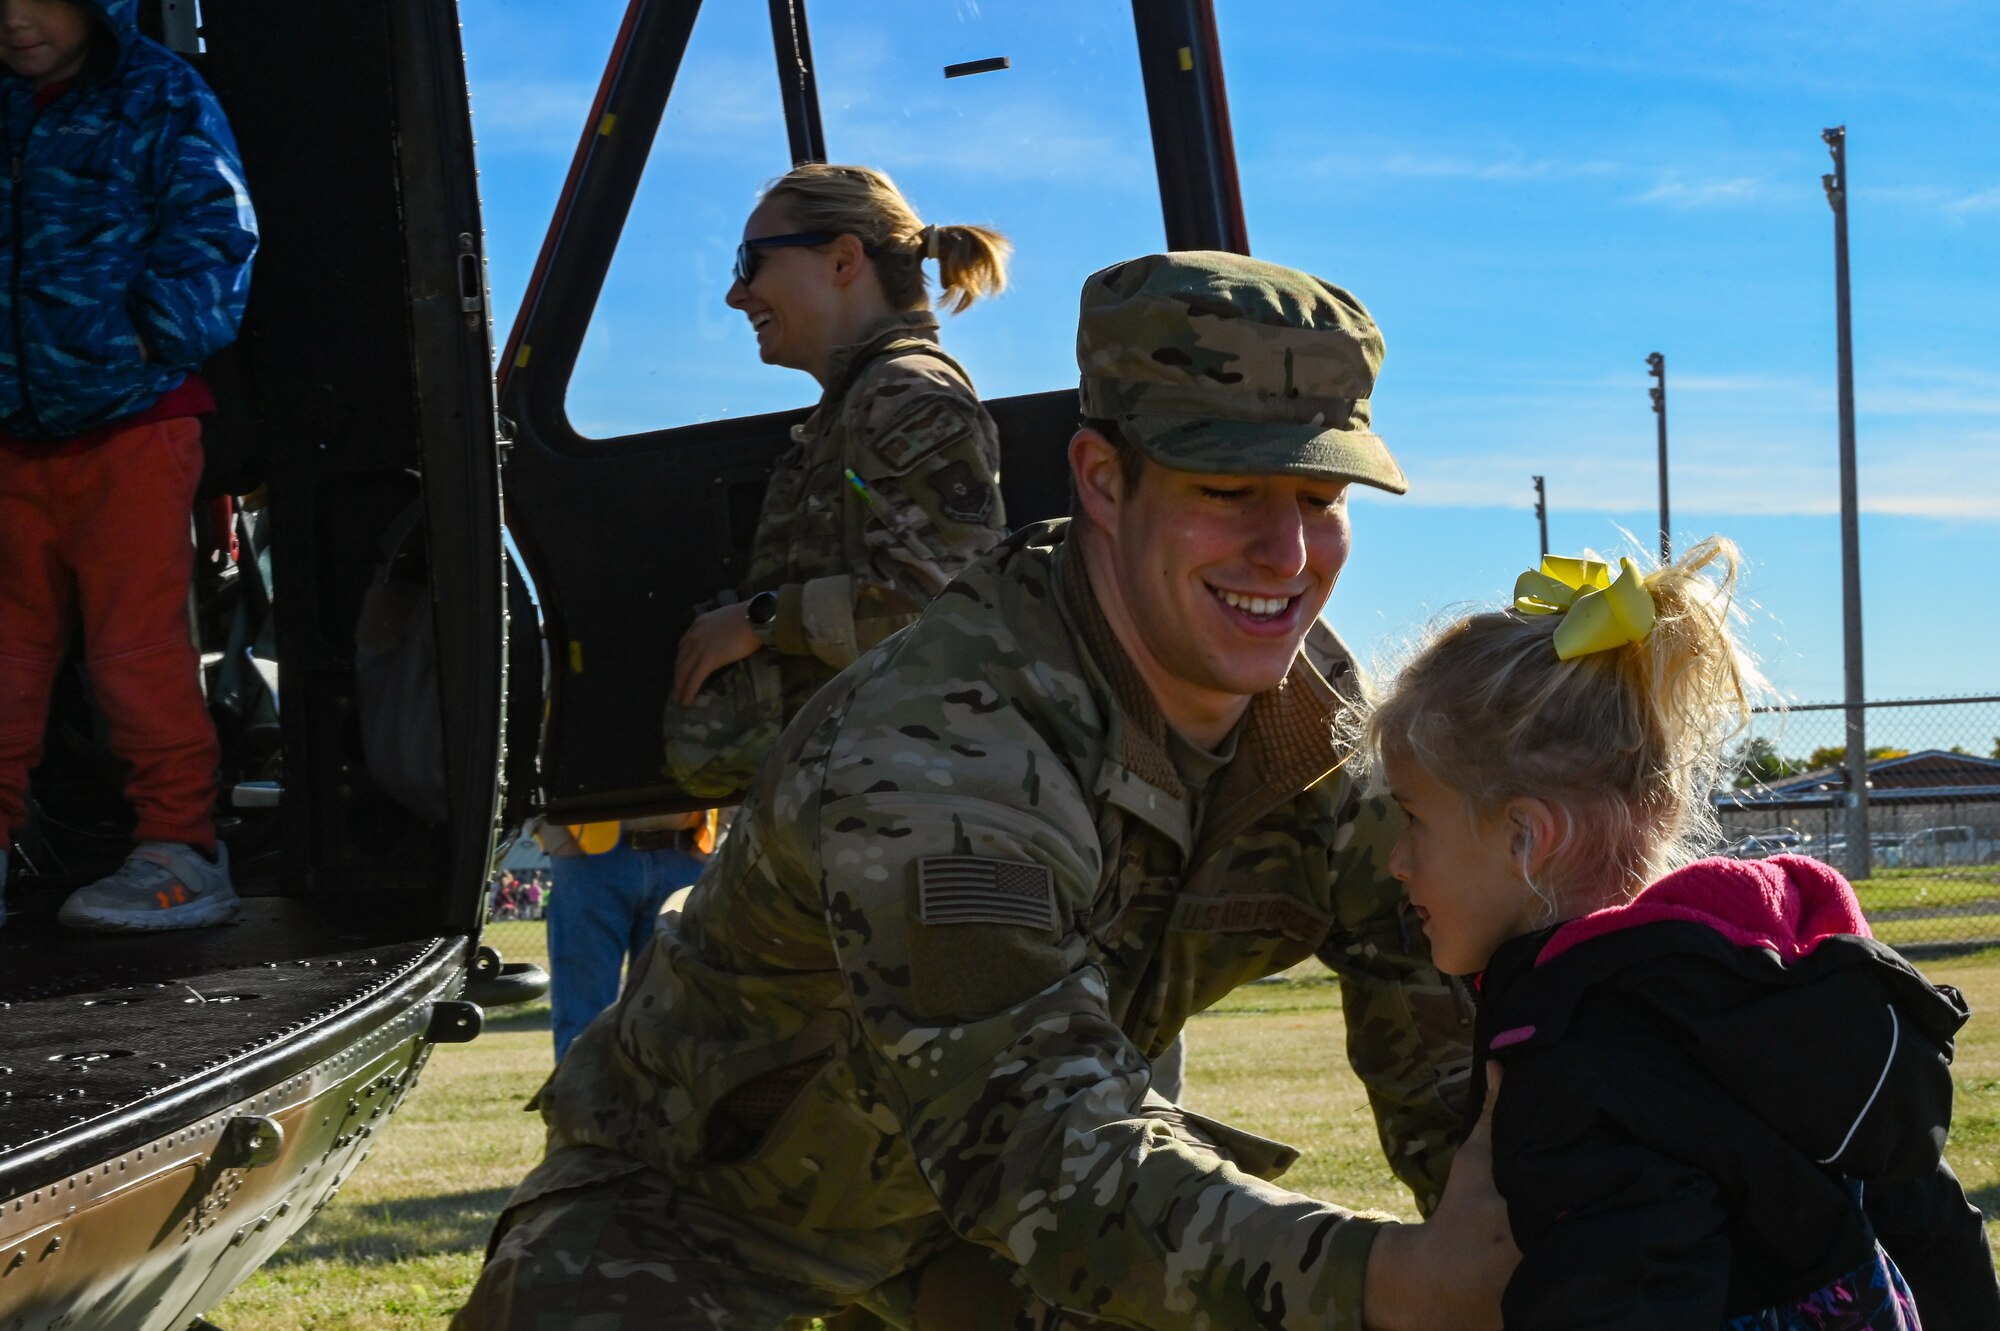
pixel 718 107
pixel 1928 402
pixel 1505 169
pixel 1984 201
pixel 530 113
pixel 1025 141
pixel 1920 481
pixel 1764 385
pixel 1500 164
pixel 1902 391
pixel 1955 204
pixel 1745 445
pixel 723 106
pixel 1674 192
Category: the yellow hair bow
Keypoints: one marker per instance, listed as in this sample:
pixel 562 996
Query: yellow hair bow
pixel 1598 613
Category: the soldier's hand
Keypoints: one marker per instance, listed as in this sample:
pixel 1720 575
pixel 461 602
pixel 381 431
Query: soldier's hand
pixel 1448 1273
pixel 721 637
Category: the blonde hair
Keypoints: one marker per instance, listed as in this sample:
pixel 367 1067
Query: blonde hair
pixel 1626 744
pixel 860 201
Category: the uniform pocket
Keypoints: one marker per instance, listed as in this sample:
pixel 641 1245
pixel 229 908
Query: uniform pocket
pixel 833 1158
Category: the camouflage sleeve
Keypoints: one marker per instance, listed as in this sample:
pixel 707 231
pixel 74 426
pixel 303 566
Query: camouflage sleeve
pixel 957 924
pixel 928 459
pixel 1409 1026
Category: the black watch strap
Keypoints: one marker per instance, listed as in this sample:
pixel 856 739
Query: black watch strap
pixel 761 611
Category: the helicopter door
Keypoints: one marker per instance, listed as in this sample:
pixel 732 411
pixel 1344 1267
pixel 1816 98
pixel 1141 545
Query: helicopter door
pixel 645 426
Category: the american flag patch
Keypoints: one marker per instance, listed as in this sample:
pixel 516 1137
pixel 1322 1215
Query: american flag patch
pixel 968 889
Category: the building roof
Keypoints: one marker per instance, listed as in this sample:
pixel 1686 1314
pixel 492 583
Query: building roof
pixel 1926 774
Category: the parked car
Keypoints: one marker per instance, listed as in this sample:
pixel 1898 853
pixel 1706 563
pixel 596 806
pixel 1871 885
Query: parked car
pixel 1772 841
pixel 1885 850
pixel 1943 847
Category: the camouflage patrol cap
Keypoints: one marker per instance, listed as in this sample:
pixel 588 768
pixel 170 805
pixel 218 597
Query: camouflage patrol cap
pixel 1214 362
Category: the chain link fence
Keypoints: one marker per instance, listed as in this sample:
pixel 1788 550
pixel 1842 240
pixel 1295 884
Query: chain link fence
pixel 1933 821
pixel 1933 810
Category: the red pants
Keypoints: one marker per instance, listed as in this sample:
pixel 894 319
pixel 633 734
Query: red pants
pixel 103 534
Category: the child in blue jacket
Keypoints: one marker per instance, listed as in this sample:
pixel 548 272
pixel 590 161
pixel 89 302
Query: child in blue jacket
pixel 126 236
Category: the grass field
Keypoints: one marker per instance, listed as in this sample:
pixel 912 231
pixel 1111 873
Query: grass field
pixel 401 1244
pixel 1927 889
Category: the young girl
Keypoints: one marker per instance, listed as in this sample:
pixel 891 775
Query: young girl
pixel 1722 1099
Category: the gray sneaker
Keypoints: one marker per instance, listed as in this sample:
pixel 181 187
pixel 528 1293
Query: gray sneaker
pixel 161 885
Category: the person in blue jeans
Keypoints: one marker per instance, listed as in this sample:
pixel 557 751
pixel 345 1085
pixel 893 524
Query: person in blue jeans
pixel 609 881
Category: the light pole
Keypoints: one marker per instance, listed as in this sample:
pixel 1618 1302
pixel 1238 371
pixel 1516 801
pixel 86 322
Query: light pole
pixel 1656 365
pixel 1542 513
pixel 1858 857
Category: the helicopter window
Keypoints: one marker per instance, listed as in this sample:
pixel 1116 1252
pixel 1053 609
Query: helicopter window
pixel 1053 149
pixel 662 348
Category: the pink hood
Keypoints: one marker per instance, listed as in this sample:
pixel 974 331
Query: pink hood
pixel 1787 903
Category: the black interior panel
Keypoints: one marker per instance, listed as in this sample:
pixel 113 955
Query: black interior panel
pixel 617 601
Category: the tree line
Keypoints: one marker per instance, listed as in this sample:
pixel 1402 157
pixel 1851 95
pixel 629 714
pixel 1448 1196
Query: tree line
pixel 1759 763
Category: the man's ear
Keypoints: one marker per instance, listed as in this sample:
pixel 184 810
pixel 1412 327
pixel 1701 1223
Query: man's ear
pixel 1099 480
pixel 848 259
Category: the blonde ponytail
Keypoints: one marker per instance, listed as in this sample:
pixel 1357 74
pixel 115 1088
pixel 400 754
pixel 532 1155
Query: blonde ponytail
pixel 863 202
pixel 972 264
pixel 1626 743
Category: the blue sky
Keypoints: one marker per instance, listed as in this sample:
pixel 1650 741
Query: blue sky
pixel 1529 199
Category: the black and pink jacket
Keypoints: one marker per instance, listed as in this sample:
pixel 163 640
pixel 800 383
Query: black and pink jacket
pixel 1694 1083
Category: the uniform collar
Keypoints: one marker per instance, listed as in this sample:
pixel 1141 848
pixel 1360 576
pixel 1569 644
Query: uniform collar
pixel 847 362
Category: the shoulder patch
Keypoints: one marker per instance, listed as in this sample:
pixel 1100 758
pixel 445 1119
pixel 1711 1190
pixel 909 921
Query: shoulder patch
pixel 962 493
pixel 923 426
pixel 971 889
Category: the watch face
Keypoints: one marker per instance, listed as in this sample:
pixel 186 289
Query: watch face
pixel 761 608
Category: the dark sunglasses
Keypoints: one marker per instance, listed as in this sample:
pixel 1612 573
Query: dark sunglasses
pixel 747 257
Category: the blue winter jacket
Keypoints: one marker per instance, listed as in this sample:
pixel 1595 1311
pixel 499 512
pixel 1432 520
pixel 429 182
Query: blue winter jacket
pixel 125 217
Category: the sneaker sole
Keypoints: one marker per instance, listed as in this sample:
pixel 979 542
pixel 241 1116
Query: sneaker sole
pixel 202 914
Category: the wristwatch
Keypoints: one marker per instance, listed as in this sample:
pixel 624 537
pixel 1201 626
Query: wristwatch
pixel 762 612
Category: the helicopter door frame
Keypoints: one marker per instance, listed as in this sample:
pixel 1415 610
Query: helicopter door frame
pixel 607 660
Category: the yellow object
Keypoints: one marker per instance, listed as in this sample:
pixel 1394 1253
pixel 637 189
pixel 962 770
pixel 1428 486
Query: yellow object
pixel 575 656
pixel 606 125
pixel 521 357
pixel 595 838
pixel 1598 613
pixel 1187 60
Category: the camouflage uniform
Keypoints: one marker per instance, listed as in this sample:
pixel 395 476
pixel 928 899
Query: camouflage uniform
pixel 850 567
pixel 912 1001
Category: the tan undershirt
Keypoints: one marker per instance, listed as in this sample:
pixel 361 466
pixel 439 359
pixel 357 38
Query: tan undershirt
pixel 1197 767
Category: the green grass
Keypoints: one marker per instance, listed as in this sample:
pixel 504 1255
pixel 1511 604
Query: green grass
pixel 400 1246
pixel 1938 929
pixel 519 940
pixel 1919 889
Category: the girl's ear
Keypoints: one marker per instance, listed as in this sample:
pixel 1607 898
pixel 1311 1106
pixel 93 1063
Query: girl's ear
pixel 1535 828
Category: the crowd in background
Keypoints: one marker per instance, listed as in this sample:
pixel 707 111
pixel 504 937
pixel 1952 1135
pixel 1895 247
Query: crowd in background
pixel 519 896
